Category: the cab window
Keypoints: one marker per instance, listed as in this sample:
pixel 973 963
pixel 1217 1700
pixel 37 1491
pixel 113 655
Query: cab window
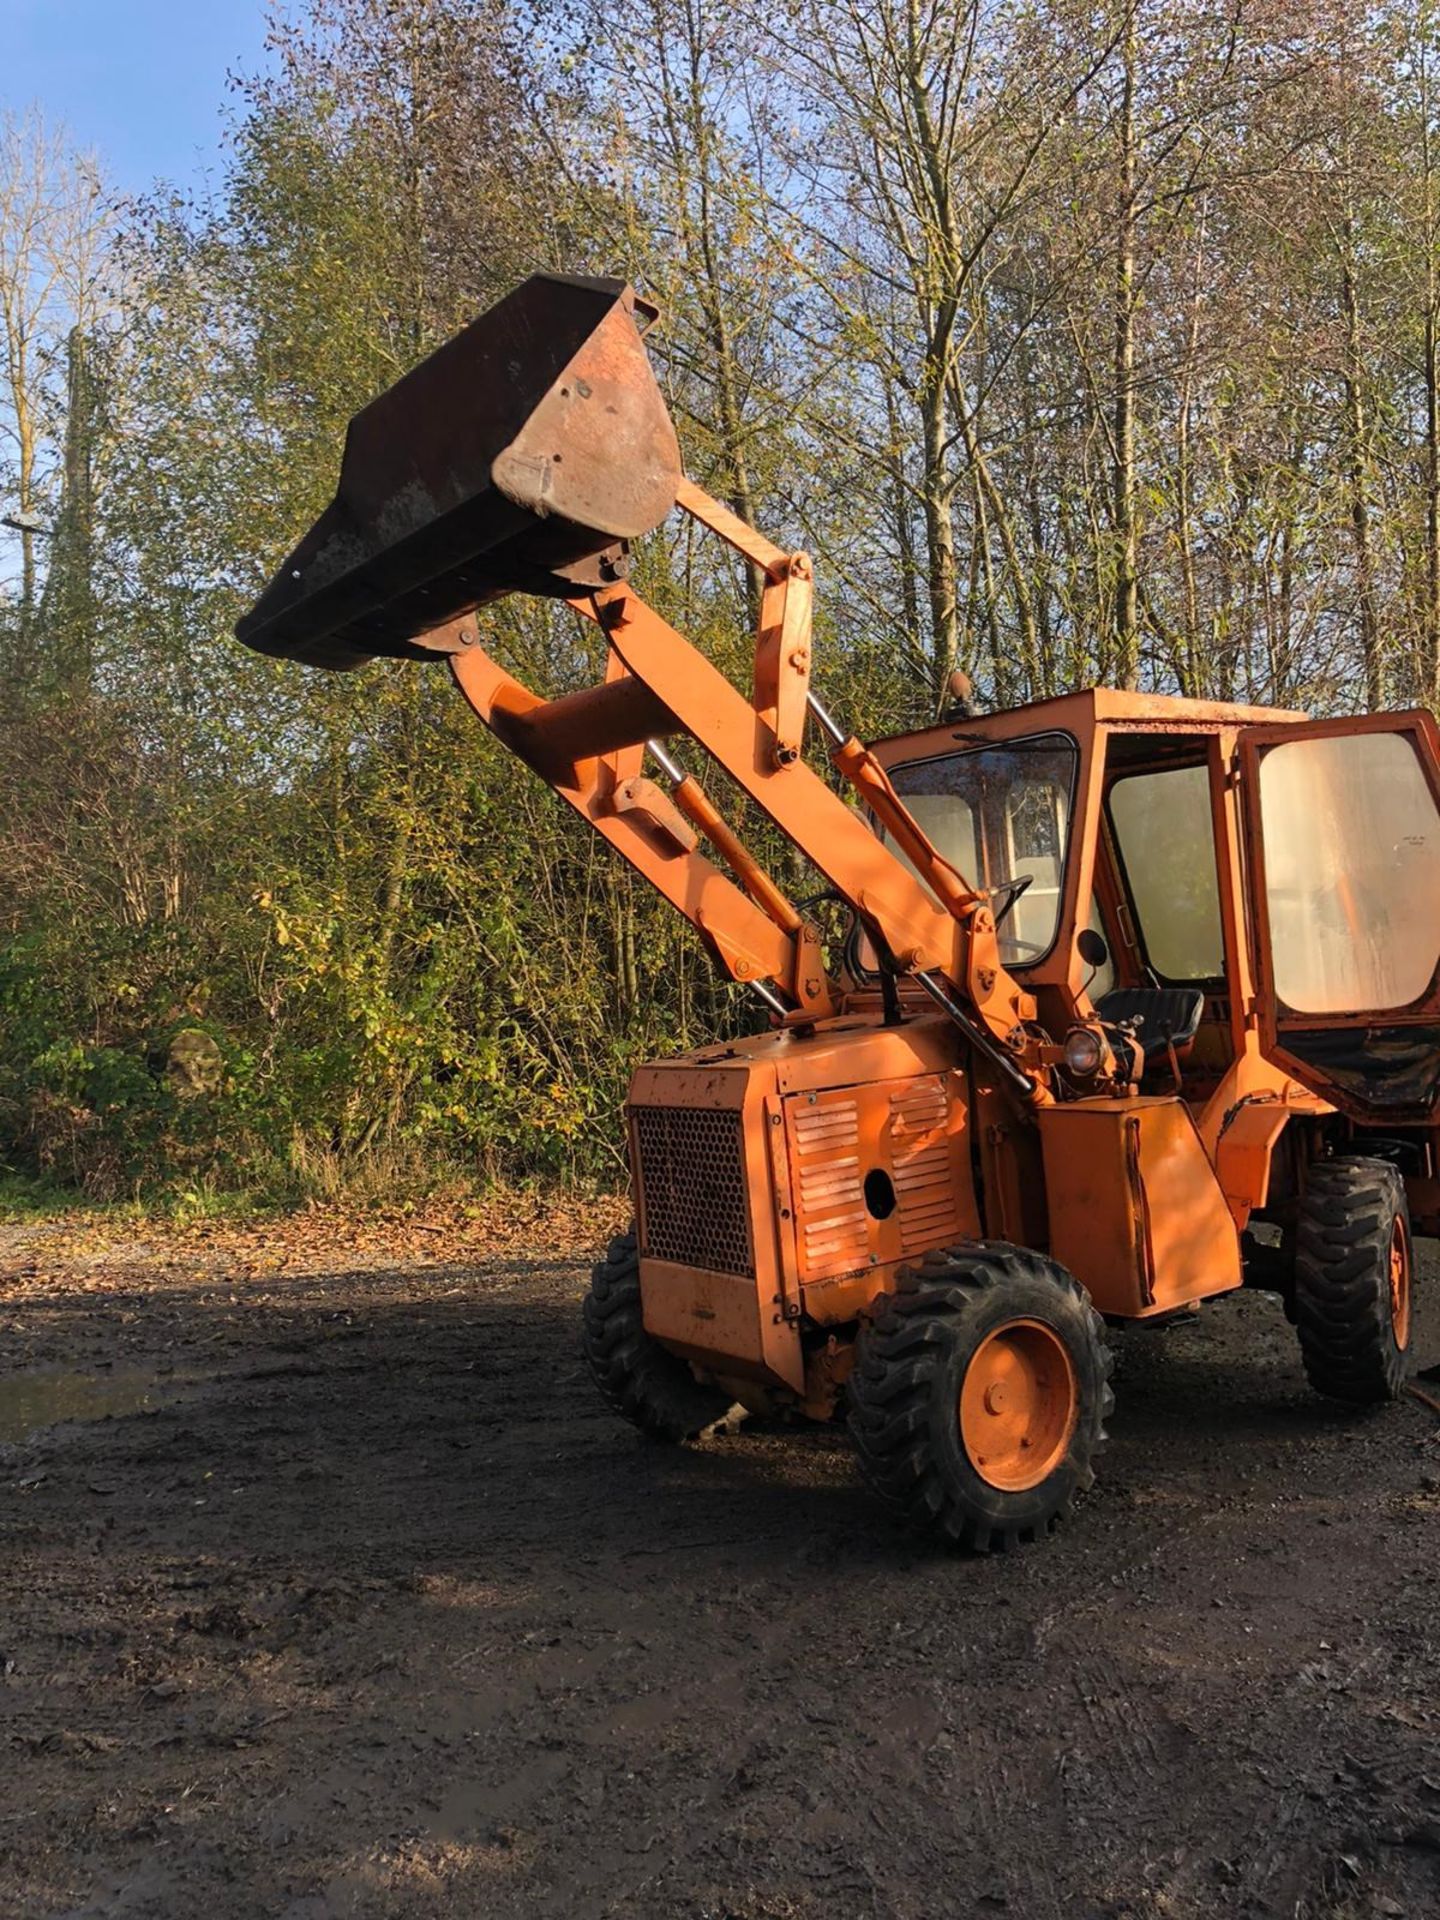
pixel 1352 872
pixel 1163 829
pixel 1001 815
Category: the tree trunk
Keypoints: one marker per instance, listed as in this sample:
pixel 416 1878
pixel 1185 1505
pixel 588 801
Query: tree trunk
pixel 900 513
pixel 1356 462
pixel 938 495
pixel 713 294
pixel 1127 642
pixel 67 606
pixel 991 504
pixel 1190 671
pixel 1430 619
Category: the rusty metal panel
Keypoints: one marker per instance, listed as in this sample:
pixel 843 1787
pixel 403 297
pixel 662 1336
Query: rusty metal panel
pixel 923 1144
pixel 817 1244
pixel 515 458
pixel 706 1193
pixel 713 1319
pixel 830 1213
pixel 1246 1147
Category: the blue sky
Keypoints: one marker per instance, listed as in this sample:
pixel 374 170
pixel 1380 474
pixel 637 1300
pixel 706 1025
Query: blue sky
pixel 142 82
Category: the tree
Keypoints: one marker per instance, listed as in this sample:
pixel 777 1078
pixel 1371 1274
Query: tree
pixel 931 130
pixel 55 225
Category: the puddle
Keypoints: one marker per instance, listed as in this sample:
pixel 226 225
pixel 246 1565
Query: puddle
pixel 30 1401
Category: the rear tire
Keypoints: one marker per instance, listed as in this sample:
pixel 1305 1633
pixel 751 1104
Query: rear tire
pixel 636 1375
pixel 1354 1264
pixel 979 1395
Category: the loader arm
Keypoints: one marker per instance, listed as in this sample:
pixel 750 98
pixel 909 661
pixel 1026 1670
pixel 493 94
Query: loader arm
pixel 752 934
pixel 524 457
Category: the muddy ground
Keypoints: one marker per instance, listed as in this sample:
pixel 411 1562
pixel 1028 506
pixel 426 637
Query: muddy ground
pixel 359 1603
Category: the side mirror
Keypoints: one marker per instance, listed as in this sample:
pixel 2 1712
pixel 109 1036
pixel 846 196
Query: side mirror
pixel 1091 947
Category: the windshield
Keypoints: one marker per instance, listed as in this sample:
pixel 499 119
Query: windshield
pixel 1002 816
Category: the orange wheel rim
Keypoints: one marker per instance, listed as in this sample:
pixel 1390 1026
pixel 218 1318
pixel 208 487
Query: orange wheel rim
pixel 1400 1284
pixel 1019 1402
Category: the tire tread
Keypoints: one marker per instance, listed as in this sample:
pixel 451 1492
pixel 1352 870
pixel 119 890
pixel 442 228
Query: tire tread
pixel 910 1339
pixel 1341 1298
pixel 637 1377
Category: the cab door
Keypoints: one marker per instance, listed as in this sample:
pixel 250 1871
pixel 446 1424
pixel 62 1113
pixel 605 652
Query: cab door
pixel 1343 835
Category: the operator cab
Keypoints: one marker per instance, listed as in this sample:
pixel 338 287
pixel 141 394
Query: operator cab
pixel 1095 814
pixel 1239 863
pixel 1003 813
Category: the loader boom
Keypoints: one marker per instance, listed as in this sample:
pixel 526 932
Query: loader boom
pixel 450 498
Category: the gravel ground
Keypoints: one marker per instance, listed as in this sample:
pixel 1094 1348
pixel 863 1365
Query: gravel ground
pixel 327 1587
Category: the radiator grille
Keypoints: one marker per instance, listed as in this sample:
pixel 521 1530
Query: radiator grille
pixel 691 1168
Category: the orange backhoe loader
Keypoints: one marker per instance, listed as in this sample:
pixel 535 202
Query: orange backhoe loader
pixel 1140 998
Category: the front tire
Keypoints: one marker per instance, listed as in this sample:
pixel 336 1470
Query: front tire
pixel 979 1395
pixel 638 1377
pixel 1354 1262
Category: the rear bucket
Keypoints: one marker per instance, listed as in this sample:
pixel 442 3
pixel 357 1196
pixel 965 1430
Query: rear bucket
pixel 517 458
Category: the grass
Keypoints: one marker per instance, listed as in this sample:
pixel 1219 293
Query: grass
pixel 29 1199
pixel 25 1198
pixel 390 1177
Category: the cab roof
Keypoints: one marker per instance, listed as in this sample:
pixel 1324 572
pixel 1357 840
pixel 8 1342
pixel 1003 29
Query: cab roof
pixel 1090 710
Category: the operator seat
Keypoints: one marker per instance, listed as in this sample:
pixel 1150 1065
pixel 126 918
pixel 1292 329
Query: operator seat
pixel 1162 1015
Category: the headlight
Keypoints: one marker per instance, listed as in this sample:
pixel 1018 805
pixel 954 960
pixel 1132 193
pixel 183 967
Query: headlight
pixel 1084 1050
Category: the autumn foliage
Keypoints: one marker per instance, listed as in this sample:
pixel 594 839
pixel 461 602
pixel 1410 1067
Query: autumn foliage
pixel 1077 344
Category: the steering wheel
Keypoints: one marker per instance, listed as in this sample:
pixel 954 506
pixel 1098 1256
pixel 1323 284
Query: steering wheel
pixel 1022 951
pixel 1029 949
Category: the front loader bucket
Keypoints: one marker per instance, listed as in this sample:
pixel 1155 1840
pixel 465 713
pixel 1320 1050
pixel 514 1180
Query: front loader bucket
pixel 519 457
